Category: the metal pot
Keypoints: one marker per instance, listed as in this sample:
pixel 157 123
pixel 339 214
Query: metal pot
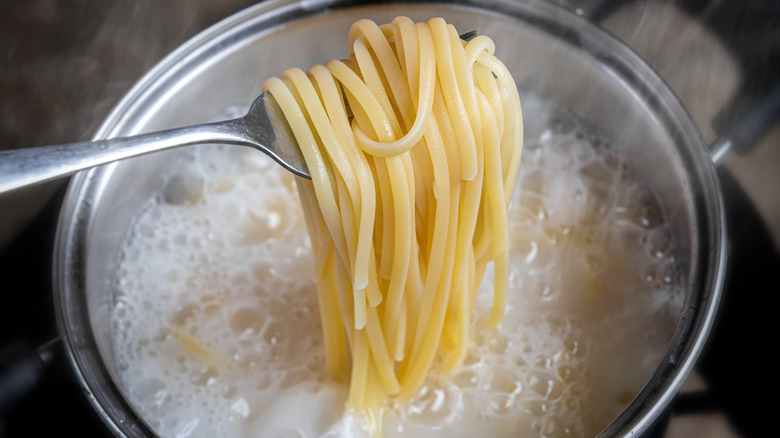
pixel 550 51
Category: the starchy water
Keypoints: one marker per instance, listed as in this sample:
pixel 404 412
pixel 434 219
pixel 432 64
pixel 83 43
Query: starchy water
pixel 215 323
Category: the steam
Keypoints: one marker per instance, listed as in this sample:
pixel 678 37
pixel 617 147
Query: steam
pixel 64 65
pixel 694 63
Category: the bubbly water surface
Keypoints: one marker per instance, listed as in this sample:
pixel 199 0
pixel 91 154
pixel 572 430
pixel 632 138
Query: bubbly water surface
pixel 216 328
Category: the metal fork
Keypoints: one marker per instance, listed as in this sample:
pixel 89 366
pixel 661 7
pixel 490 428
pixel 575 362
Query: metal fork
pixel 263 127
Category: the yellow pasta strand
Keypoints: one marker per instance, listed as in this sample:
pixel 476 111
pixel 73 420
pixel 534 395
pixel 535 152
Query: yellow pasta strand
pixel 413 142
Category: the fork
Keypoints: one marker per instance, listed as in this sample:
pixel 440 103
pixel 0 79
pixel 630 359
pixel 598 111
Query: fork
pixel 263 127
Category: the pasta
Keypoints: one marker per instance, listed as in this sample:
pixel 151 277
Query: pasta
pixel 413 143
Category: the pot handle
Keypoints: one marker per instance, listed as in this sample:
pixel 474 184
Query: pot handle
pixel 744 122
pixel 755 108
pixel 22 368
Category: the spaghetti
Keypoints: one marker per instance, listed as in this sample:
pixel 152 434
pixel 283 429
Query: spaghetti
pixel 413 144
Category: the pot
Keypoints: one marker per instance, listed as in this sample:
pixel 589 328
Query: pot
pixel 552 53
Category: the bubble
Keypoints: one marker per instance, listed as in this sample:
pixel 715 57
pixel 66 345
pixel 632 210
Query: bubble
pixel 186 312
pixel 659 243
pixel 668 273
pixel 241 407
pixel 203 374
pixel 533 406
pixel 544 292
pixel 246 320
pixel 499 405
pixel 574 347
pixel 571 403
pixel 497 344
pixel 431 405
pixel 566 373
pixel 544 384
pixel 152 389
pixel 542 361
pixel 503 381
pixel 576 390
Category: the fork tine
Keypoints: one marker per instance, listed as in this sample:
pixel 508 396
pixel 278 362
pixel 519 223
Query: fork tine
pixel 470 35
pixel 283 147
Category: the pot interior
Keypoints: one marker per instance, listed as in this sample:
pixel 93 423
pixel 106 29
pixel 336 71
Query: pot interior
pixel 554 55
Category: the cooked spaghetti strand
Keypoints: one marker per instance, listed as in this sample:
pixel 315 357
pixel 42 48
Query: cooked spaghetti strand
pixel 413 142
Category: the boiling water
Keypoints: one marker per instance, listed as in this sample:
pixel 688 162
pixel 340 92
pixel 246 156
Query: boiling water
pixel 216 331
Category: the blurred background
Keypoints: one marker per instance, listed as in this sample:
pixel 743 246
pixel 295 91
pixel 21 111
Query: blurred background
pixel 65 64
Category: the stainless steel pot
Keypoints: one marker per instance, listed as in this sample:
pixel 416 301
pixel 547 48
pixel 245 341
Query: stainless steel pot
pixel 550 51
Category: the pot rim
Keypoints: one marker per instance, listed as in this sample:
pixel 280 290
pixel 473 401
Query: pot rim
pixel 698 315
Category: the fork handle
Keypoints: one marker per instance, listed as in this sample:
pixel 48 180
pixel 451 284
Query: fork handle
pixel 23 167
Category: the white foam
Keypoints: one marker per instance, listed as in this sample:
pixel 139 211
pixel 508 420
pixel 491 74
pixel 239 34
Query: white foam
pixel 216 327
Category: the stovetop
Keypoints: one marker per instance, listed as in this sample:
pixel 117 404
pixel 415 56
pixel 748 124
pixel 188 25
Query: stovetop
pixel 55 50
